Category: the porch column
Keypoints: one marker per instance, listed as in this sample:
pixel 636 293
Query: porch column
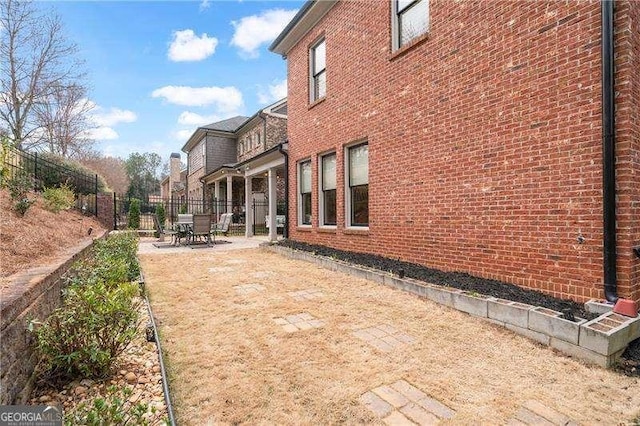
pixel 216 196
pixel 273 205
pixel 248 203
pixel 229 193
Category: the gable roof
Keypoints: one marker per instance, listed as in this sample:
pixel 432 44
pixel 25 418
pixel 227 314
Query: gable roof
pixel 229 125
pixel 307 17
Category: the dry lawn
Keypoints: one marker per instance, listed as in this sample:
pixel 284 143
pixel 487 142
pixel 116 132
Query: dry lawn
pixel 39 236
pixel 231 363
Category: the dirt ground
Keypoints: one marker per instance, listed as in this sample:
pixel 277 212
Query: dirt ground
pixel 230 362
pixel 39 236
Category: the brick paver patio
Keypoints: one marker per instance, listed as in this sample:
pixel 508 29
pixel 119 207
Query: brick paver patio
pixel 403 403
pixel 248 288
pixel 298 322
pixel 384 337
pixel 308 294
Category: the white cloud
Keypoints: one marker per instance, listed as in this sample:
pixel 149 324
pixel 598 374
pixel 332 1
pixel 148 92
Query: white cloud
pixel 253 31
pixel 183 135
pixel 102 133
pixel 225 99
pixel 204 5
pixel 112 116
pixel 187 46
pixel 274 92
pixel 189 118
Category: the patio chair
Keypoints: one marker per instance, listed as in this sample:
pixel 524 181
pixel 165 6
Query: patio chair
pixel 222 227
pixel 160 229
pixel 201 227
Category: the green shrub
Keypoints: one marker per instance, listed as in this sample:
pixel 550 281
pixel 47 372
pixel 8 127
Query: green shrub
pixel 95 324
pixel 183 209
pixel 56 199
pixel 133 221
pixel 113 409
pixel 99 316
pixel 19 187
pixel 161 214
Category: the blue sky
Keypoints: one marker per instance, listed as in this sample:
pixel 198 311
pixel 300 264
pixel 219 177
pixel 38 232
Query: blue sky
pixel 159 69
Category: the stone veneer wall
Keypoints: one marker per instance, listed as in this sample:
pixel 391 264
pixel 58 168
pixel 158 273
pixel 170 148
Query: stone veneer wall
pixel 32 294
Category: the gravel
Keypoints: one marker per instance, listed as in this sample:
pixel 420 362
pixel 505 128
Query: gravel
pixel 138 369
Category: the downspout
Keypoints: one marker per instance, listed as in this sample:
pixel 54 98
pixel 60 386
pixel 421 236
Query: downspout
pixel 285 231
pixel 608 153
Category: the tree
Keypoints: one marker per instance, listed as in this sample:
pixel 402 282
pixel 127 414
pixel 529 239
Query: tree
pixel 35 59
pixel 143 171
pixel 63 116
pixel 112 169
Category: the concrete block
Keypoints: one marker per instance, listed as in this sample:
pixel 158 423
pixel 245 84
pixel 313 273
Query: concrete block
pixel 509 312
pixel 529 334
pixel 551 323
pixel 598 306
pixel 609 333
pixel 584 354
pixel 441 295
pixel 471 304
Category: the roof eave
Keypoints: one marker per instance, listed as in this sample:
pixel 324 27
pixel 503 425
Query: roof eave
pixel 307 17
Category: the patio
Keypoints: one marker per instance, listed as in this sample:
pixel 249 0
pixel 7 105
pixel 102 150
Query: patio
pixel 252 337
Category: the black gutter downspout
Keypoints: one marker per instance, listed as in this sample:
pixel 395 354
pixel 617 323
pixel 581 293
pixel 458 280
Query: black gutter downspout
pixel 608 153
pixel 285 231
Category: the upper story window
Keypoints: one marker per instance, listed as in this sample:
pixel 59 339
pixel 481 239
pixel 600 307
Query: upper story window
pixel 318 71
pixel 357 194
pixel 327 205
pixel 410 19
pixel 304 197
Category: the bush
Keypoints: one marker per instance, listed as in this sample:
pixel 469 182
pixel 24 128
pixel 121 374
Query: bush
pixel 133 221
pixel 162 216
pixel 56 199
pixel 94 326
pixel 114 409
pixel 19 187
pixel 99 316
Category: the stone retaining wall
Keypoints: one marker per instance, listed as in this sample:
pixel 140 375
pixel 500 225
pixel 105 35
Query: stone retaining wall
pixel 27 295
pixel 600 341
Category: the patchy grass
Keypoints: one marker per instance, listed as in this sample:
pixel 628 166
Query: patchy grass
pixel 231 363
pixel 39 236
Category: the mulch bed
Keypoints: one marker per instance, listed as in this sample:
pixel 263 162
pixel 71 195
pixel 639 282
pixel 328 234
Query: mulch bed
pixel 629 364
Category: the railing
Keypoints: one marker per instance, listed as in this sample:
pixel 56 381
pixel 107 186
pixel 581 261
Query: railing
pixel 48 174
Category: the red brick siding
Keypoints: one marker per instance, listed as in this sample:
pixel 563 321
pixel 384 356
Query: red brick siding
pixel 484 138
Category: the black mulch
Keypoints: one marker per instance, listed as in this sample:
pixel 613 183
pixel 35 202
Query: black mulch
pixel 459 280
pixel 629 363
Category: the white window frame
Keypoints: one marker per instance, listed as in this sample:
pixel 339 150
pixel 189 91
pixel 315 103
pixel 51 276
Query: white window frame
pixel 299 192
pixel 312 76
pixel 347 187
pixel 321 190
pixel 395 23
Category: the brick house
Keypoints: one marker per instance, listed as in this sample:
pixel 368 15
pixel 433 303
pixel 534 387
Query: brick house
pixel 174 185
pixel 234 162
pixel 473 136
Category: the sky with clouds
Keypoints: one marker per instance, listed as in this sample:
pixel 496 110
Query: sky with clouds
pixel 159 69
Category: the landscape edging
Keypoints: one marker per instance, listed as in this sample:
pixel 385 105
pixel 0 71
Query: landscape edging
pixel 542 325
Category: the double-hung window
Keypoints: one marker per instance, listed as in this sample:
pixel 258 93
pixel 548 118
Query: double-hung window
pixel 357 193
pixel 304 198
pixel 410 19
pixel 317 71
pixel 327 205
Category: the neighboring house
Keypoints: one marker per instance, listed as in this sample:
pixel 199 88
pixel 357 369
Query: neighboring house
pixel 175 184
pixel 239 162
pixel 468 136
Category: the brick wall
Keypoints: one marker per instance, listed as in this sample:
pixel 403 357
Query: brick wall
pixel 485 151
pixel 276 131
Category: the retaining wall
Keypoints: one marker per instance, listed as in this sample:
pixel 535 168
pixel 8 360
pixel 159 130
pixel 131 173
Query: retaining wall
pixel 31 294
pixel 600 341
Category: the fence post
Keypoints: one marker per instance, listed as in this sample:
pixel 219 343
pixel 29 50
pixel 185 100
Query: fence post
pixel 115 213
pixel 96 198
pixel 35 171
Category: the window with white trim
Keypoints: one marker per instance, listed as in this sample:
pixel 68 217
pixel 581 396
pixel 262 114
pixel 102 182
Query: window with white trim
pixel 304 193
pixel 327 200
pixel 318 71
pixel 410 19
pixel 357 194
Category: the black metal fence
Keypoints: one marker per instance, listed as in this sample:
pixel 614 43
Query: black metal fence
pixel 49 174
pixel 174 206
